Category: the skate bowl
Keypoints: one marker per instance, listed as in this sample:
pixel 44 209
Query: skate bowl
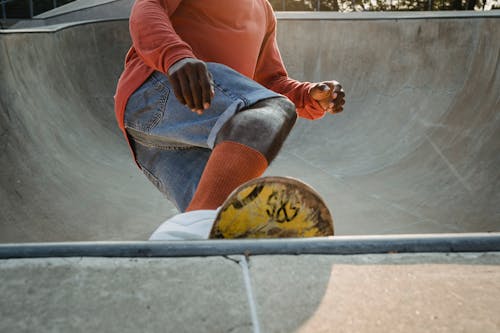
pixel 417 149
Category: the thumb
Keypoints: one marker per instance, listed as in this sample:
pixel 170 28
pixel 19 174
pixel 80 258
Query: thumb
pixel 320 91
pixel 324 87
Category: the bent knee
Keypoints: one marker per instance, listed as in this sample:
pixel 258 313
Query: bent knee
pixel 264 126
pixel 280 109
pixel 282 104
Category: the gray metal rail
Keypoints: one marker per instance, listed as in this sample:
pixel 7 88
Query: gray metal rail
pixel 341 245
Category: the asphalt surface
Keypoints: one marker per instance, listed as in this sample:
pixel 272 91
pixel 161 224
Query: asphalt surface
pixel 417 149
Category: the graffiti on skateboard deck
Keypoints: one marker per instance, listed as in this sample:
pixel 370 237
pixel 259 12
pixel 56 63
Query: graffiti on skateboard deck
pixel 273 207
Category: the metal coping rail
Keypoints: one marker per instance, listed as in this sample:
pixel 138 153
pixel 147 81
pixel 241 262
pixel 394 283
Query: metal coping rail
pixel 339 245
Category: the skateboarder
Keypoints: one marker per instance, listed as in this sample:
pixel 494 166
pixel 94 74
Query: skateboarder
pixel 206 103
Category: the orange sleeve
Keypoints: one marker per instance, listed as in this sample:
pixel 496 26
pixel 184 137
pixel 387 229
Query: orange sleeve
pixel 153 36
pixel 271 73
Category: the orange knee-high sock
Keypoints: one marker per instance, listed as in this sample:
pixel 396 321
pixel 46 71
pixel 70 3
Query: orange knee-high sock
pixel 230 165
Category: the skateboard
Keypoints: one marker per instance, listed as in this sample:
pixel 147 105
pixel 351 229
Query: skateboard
pixel 273 207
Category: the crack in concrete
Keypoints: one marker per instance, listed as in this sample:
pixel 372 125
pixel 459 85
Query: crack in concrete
pixel 450 166
pixel 245 255
pixel 232 259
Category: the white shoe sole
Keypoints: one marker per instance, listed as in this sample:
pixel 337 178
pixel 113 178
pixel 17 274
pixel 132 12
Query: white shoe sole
pixel 194 225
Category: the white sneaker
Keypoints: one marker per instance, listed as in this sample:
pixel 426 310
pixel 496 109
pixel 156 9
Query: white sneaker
pixel 193 225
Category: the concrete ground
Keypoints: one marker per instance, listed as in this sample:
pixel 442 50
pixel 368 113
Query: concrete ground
pixel 417 150
pixel 369 293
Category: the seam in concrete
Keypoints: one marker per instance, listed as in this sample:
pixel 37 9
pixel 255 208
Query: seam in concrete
pixel 236 261
pixel 450 166
pixel 250 295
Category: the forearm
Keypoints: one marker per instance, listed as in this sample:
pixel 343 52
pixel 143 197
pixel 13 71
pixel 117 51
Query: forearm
pixel 271 73
pixel 298 93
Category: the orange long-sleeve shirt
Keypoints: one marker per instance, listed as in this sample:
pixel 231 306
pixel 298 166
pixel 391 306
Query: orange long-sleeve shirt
pixel 238 33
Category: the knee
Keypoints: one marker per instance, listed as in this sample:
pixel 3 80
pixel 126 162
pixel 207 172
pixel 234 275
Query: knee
pixel 277 115
pixel 283 106
pixel 264 126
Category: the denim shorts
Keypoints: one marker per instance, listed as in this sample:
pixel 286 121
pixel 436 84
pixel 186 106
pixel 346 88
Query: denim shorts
pixel 171 143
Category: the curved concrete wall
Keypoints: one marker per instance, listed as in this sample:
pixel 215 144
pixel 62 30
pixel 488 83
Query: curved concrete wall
pixel 66 171
pixel 420 134
pixel 416 150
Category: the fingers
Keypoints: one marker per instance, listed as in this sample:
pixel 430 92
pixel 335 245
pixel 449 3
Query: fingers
pixel 330 95
pixel 192 84
pixel 175 81
pixel 321 91
pixel 207 89
pixel 338 97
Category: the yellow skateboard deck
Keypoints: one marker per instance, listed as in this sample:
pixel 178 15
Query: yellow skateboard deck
pixel 273 207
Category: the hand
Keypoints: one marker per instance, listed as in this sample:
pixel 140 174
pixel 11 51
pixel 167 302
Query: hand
pixel 192 84
pixel 329 95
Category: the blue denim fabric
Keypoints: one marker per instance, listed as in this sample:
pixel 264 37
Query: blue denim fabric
pixel 171 143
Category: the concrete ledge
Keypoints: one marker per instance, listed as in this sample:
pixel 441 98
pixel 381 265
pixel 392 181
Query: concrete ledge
pixel 282 16
pixel 384 15
pixel 433 292
pixel 342 245
pixel 123 295
pixel 377 293
pixel 58 27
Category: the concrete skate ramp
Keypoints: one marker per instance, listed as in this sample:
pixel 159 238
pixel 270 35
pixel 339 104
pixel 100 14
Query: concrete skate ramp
pixel 417 149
